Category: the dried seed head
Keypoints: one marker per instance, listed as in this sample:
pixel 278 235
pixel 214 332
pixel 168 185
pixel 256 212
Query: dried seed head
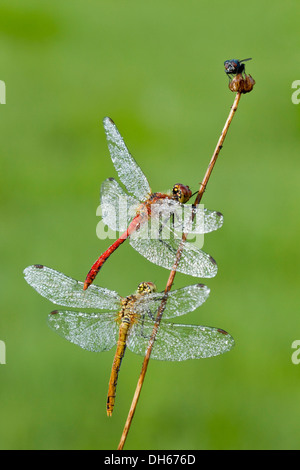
pixel 237 83
pixel 249 83
pixel 240 84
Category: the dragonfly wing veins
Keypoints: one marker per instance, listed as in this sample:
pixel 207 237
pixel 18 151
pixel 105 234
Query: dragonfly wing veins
pixel 118 209
pixel 94 332
pixel 162 251
pixel 179 302
pixel 128 170
pixel 67 292
pixel 176 342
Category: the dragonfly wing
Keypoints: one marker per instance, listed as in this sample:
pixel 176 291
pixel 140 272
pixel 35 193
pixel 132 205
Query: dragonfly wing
pixel 204 220
pixel 173 217
pixel 67 292
pixel 91 331
pixel 162 251
pixel 118 209
pixel 179 302
pixel 213 220
pixel 128 170
pixel 175 342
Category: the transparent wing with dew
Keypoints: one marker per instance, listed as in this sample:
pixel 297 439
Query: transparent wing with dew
pixel 184 218
pixel 95 332
pixel 174 342
pixel 161 248
pixel 128 170
pixel 117 208
pixel 204 220
pixel 176 217
pixel 179 302
pixel 67 292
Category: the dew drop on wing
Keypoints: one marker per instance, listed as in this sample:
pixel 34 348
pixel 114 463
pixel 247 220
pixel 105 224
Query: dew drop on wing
pixel 55 312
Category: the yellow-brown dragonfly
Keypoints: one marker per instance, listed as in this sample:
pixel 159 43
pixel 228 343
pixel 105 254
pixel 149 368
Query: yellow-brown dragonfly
pixel 98 318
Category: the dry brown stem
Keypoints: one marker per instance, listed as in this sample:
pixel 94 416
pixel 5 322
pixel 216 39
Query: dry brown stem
pixel 173 273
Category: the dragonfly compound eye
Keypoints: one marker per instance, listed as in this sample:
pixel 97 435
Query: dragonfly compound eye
pixel 181 193
pixel 146 288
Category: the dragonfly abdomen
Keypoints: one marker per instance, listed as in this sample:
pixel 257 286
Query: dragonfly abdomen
pixel 121 346
pixel 100 261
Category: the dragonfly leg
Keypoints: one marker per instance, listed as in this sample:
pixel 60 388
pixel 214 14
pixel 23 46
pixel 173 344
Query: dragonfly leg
pixel 170 248
pixel 142 322
pixel 162 224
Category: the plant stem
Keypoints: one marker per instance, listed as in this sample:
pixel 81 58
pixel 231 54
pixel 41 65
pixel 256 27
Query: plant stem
pixel 173 273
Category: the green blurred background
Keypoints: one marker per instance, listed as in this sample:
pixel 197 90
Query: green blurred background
pixel 156 68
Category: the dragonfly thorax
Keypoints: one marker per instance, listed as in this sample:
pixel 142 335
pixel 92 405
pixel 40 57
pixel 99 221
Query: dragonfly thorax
pixel 126 310
pixel 127 314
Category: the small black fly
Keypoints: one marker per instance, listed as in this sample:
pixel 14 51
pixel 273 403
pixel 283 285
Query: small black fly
pixel 234 66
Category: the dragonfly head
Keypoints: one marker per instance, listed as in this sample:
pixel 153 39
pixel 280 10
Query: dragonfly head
pixel 146 288
pixel 181 193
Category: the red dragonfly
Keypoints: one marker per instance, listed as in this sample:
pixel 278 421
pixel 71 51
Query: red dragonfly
pixel 147 209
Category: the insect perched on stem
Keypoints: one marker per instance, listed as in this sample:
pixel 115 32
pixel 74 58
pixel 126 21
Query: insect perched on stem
pixel 234 66
pixel 98 318
pixel 239 82
pixel 145 210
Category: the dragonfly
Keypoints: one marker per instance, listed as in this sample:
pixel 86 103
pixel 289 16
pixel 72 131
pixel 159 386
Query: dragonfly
pixel 146 208
pixel 97 319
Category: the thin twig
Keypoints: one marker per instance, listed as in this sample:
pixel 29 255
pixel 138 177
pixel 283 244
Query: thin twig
pixel 173 273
